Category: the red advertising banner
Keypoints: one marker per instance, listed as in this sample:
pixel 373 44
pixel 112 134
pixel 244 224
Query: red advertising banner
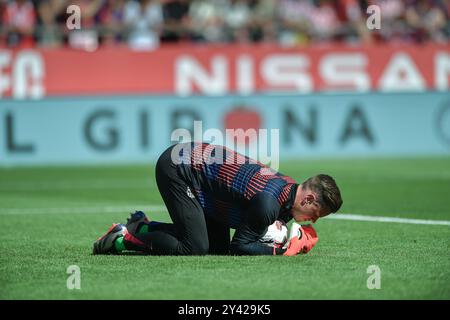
pixel 218 70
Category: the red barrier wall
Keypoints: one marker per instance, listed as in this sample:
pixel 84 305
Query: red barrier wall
pixel 219 70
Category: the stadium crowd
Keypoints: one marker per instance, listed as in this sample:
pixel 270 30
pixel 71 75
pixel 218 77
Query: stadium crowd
pixel 146 24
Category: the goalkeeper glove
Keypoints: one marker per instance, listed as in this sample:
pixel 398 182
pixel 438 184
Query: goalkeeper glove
pixel 302 240
pixel 311 238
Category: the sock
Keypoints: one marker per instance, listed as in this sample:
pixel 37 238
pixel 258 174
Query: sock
pixel 134 244
pixel 119 245
pixel 143 229
pixel 147 227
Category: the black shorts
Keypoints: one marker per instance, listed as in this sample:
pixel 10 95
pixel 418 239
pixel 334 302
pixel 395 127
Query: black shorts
pixel 195 234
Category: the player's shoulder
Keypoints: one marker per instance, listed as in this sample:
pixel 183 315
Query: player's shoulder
pixel 265 206
pixel 272 174
pixel 285 178
pixel 264 199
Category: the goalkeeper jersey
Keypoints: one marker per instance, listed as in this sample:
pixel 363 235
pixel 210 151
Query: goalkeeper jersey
pixel 237 191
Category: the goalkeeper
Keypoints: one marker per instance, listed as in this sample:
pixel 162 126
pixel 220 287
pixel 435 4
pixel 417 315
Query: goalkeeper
pixel 209 189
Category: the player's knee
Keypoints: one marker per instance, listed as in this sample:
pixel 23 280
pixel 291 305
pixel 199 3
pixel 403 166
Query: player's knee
pixel 200 249
pixel 189 249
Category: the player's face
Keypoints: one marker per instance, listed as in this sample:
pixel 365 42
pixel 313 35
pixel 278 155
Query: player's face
pixel 309 210
pixel 307 214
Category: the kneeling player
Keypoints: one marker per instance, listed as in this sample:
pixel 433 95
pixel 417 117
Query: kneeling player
pixel 209 189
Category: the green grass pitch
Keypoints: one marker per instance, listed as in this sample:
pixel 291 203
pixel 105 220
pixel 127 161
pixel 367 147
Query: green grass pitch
pixel 51 216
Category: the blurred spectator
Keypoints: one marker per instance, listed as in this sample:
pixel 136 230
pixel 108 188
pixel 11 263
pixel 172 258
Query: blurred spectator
pixel 143 24
pixel 2 33
pixel 177 21
pixel 111 19
pixel 49 32
pixel 324 22
pixel 427 20
pixel 237 16
pixel 87 38
pixel 143 21
pixel 207 18
pixel 263 21
pixel 18 23
pixel 294 19
pixel 393 25
pixel 353 22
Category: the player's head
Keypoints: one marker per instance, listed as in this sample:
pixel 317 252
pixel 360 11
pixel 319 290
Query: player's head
pixel 317 197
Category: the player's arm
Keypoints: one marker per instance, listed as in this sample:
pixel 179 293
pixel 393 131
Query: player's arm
pixel 254 249
pixel 262 212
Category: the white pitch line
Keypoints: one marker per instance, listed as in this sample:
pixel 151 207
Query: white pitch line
pixel 161 208
pixel 75 210
pixel 357 217
pixel 82 185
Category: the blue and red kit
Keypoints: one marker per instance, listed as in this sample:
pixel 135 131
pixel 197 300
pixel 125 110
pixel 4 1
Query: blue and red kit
pixel 210 189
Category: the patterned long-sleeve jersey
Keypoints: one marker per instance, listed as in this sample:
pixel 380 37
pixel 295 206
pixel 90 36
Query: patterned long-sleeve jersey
pixel 237 191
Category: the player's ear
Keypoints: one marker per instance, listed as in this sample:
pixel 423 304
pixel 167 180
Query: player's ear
pixel 310 198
